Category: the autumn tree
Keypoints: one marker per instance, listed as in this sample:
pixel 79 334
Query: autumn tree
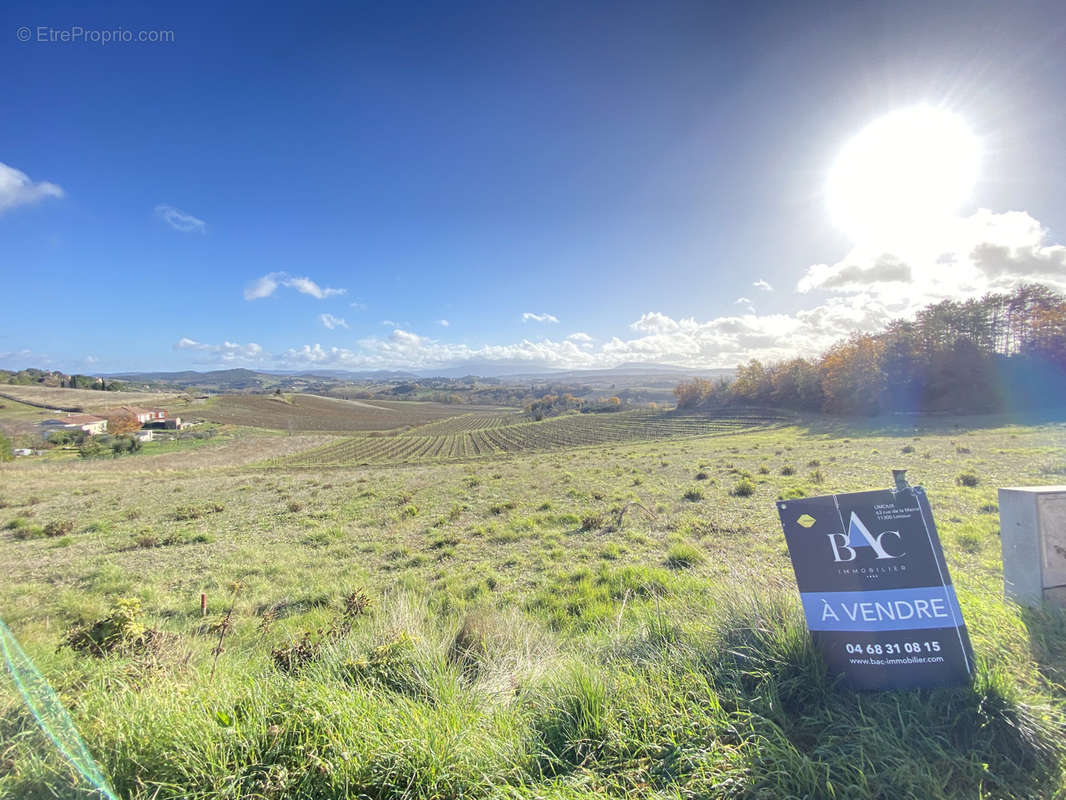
pixel 693 393
pixel 852 380
pixel 123 421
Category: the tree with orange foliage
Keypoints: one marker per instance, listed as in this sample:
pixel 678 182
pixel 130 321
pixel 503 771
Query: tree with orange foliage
pixel 122 421
pixel 691 393
pixel 852 378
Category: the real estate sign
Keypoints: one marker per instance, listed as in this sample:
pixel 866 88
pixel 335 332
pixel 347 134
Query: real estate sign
pixel 875 588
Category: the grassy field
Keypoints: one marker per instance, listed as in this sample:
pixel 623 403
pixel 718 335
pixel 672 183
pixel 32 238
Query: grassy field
pixel 612 620
pixel 85 399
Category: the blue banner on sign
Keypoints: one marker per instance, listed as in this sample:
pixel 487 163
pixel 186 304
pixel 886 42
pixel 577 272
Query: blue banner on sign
pixel 886 610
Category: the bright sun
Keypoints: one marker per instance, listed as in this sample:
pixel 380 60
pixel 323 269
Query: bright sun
pixel 902 176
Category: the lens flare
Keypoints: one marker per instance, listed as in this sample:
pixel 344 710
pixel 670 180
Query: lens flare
pixel 49 713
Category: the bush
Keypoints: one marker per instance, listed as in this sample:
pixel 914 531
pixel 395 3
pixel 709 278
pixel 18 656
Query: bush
pixel 122 629
pixel 967 479
pixel 591 522
pixel 744 488
pixel 693 495
pixel 58 528
pixel 788 469
pixel 683 555
pixel 90 448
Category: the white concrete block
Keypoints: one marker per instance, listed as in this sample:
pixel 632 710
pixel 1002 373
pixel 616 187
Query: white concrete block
pixel 1032 522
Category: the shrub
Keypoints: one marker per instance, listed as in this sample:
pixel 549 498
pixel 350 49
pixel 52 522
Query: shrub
pixel 122 629
pixel 683 555
pixel 58 528
pixel 743 488
pixel 390 665
pixel 788 469
pixel 702 476
pixel 593 521
pixel 967 479
pixel 907 449
pixel 693 495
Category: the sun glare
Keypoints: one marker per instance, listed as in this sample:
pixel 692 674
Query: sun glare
pixel 902 176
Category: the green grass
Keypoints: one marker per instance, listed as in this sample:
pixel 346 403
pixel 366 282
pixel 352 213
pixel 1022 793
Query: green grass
pixel 531 632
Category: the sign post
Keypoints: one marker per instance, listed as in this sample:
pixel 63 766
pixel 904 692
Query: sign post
pixel 875 588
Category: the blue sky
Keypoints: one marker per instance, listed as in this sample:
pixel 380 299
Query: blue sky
pixel 565 184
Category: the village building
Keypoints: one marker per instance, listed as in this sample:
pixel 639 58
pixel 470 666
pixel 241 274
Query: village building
pixel 90 423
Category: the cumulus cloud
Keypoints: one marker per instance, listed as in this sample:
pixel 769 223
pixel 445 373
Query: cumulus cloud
pixel 227 352
pixel 761 284
pixel 862 292
pixel 654 322
pixel 443 323
pixel 16 189
pixel 530 316
pixel 269 283
pixel 179 220
pixel 414 351
pixel 331 321
pixel 885 268
pixel 969 256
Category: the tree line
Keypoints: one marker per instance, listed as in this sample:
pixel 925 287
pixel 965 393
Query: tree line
pixel 41 377
pixel 998 352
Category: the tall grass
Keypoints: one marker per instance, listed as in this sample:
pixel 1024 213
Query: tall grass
pixel 723 697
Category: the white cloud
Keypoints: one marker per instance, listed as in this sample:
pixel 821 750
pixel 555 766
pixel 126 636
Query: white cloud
pixel 654 322
pixel 179 220
pixel 331 321
pixel 269 283
pixel 885 268
pixel 226 352
pixel 861 292
pixel 16 189
pixel 985 252
pixel 358 305
pixel 388 323
pixel 761 284
pixel 443 323
pixel 529 315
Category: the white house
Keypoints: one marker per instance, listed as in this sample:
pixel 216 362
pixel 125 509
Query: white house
pixel 146 414
pixel 90 423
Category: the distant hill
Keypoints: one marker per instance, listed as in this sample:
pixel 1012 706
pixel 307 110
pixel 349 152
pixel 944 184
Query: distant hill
pixel 243 379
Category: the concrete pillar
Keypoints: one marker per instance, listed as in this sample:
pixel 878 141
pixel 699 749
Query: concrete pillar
pixel 1032 523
